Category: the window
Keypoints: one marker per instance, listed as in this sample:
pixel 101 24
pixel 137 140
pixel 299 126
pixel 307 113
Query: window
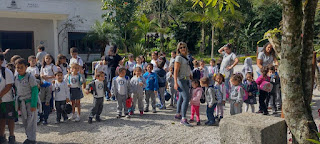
pixel 76 39
pixel 16 40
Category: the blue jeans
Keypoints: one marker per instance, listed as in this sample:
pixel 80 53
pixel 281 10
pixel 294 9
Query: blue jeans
pixel 227 85
pixel 210 112
pixel 45 111
pixel 109 86
pixel 184 97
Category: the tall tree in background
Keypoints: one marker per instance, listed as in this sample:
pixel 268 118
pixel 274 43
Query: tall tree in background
pixel 296 51
pixel 121 14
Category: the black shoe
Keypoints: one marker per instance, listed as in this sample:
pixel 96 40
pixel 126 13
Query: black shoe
pixel 12 140
pixel 45 122
pixel 265 113
pixel 198 123
pixel 146 110
pixel 98 119
pixel 90 120
pixel 3 139
pixel 57 122
pixel 29 142
pixel 259 112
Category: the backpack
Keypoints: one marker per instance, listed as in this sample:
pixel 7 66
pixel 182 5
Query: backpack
pixel 161 79
pixel 246 94
pixel 196 74
pixel 218 94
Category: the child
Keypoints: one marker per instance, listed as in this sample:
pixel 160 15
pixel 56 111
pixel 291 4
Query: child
pixel 138 83
pixel 161 73
pixel 75 80
pixel 62 64
pixel 40 55
pixel 211 99
pixel 236 95
pixel 212 70
pixel 172 59
pixel 263 94
pixel 119 66
pixel 203 70
pixel 251 87
pixel 151 88
pixel 196 74
pixel 171 89
pixel 14 58
pixel 139 64
pixel 247 67
pixel 33 69
pixel 121 90
pixel 103 67
pixel 98 89
pixel 221 88
pixel 8 113
pixel 130 65
pixel 27 99
pixel 275 81
pixel 76 59
pixel 61 96
pixel 144 63
pixel 45 97
pixel 48 68
pixel 195 100
pixel 154 61
pixel 47 72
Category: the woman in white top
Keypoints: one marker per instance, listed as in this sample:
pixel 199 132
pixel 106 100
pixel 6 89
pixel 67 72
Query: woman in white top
pixel 266 57
pixel 229 61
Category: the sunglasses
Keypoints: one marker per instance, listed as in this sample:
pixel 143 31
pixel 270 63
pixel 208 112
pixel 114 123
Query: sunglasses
pixel 182 47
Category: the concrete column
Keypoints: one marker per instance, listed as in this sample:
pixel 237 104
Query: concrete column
pixel 55 38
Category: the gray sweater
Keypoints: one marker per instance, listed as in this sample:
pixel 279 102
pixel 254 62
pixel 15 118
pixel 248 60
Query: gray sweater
pixel 210 94
pixel 170 80
pixel 45 94
pixel 136 88
pixel 237 94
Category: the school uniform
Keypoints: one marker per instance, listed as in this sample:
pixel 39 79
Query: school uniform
pixel 45 97
pixel 162 86
pixel 27 97
pixel 236 96
pixel 98 90
pixel 121 90
pixel 130 67
pixel 137 92
pixel 64 68
pixel 77 60
pixel 75 82
pixel 171 89
pixel 33 70
pixel 49 70
pixel 7 109
pixel 211 100
pixel 61 93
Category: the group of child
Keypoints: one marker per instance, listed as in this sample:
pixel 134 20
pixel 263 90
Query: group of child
pixel 36 87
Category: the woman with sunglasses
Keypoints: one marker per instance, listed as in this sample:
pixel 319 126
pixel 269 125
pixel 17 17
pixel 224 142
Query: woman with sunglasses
pixel 229 61
pixel 182 73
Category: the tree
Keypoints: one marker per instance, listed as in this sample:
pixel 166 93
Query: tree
pixel 145 26
pixel 296 51
pixel 121 13
pixel 210 13
pixel 102 33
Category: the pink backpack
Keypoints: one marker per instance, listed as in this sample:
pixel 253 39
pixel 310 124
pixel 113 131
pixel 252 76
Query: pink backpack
pixel 246 94
pixel 266 86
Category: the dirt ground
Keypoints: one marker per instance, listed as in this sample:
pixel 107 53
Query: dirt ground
pixel 149 128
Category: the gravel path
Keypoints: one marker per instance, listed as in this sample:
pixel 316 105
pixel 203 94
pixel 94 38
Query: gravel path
pixel 149 128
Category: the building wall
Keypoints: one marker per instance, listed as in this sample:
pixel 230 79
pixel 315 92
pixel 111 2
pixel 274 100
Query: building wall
pixel 49 10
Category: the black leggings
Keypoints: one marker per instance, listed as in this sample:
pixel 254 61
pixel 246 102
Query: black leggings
pixel 262 101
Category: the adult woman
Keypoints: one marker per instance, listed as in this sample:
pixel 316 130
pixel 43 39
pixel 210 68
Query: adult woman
pixel 113 61
pixel 266 57
pixel 182 74
pixel 229 61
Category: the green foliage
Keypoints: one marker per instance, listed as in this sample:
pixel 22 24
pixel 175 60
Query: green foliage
pixel 241 59
pixel 137 49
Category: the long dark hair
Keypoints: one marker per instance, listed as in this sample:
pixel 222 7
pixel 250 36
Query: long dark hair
pixel 44 61
pixel 60 57
pixel 273 53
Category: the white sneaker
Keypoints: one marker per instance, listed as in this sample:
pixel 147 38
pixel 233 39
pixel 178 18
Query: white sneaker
pixel 73 117
pixel 77 119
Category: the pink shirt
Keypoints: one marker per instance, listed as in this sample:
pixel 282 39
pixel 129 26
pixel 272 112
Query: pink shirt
pixel 196 96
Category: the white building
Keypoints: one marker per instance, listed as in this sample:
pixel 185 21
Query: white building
pixel 25 24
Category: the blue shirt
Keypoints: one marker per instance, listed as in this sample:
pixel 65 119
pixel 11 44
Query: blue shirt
pixel 152 81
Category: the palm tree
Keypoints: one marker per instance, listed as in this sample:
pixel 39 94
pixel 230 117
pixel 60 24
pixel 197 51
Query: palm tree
pixel 216 19
pixel 145 26
pixel 102 33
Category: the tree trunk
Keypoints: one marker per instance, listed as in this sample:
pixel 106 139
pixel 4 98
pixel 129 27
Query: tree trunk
pixel 295 107
pixel 212 41
pixel 202 39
